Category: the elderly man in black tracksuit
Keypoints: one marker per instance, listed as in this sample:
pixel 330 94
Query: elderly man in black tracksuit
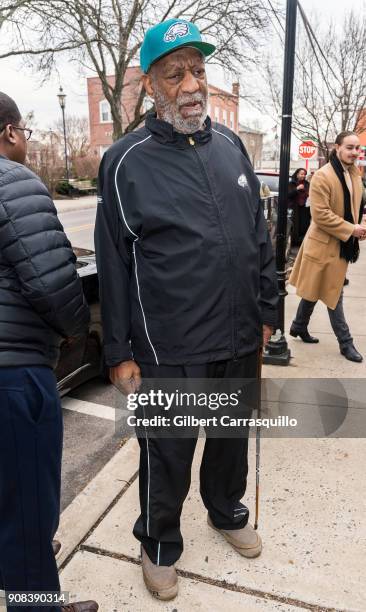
pixel 187 286
pixel 41 302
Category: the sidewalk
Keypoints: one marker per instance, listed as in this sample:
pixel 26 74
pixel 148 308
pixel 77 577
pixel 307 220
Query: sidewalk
pixel 312 510
pixel 72 205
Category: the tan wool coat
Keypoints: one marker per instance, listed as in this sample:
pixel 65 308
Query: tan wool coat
pixel 319 271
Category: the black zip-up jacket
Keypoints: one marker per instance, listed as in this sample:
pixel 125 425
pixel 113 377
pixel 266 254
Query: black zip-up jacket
pixel 184 258
pixel 41 297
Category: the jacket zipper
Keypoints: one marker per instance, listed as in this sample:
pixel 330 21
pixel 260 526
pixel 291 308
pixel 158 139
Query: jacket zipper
pixel 227 241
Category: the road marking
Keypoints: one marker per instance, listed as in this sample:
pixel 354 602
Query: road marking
pixel 79 228
pixel 96 410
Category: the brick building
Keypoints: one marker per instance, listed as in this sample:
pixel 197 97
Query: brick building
pixel 223 106
pixel 100 119
pixel 361 126
pixel 253 141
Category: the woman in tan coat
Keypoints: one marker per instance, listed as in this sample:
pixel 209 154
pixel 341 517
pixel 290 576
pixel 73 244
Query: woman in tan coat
pixel 330 243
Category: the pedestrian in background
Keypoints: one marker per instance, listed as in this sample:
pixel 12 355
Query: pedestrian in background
pixel 41 301
pixel 298 195
pixel 331 243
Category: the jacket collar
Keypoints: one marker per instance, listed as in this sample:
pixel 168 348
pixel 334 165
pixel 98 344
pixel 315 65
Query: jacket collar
pixel 164 133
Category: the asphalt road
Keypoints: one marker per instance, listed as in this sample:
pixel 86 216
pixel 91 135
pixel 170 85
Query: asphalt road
pixel 79 227
pixel 90 437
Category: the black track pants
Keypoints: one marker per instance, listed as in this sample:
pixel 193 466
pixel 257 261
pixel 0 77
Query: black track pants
pixel 165 470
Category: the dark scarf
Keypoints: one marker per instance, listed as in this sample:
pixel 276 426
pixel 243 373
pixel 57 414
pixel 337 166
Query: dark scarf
pixel 350 250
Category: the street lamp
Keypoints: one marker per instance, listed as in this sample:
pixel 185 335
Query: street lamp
pixel 62 100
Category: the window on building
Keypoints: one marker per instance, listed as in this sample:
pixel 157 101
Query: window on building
pixel 217 113
pixel 232 120
pixel 105 112
pixel 224 117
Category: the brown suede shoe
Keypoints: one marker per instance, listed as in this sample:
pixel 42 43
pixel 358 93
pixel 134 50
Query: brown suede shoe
pixel 81 606
pixel 56 545
pixel 246 541
pixel 160 580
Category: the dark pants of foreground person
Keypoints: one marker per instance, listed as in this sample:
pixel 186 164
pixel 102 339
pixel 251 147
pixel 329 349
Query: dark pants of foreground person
pixel 30 476
pixel 165 470
pixel 337 320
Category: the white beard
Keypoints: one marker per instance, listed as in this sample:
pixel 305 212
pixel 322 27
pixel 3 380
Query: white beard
pixel 169 111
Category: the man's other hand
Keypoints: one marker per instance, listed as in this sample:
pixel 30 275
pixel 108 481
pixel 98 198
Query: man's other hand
pixel 126 377
pixel 267 333
pixel 359 231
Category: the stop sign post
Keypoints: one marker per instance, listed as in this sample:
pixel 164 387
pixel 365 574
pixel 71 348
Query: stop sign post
pixel 307 150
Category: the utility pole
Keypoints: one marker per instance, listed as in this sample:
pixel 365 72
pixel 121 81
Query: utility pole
pixel 277 351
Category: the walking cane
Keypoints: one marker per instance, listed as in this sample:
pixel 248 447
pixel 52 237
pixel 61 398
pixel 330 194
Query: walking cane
pixel 258 438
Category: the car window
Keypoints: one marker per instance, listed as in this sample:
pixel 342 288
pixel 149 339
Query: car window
pixel 268 179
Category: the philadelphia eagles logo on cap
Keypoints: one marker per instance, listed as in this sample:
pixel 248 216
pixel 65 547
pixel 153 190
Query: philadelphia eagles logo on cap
pixel 167 36
pixel 177 30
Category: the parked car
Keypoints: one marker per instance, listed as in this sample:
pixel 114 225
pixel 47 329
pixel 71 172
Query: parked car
pixel 270 204
pixel 82 358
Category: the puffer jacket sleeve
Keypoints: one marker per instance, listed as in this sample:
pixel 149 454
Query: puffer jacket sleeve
pixel 33 243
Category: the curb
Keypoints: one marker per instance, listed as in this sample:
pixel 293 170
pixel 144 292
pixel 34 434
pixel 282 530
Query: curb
pixel 64 207
pixel 86 509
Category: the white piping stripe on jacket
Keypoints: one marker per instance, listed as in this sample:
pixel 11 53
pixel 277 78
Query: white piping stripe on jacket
pixel 115 181
pixel 158 559
pixel 142 310
pixel 148 481
pixel 224 135
pixel 136 238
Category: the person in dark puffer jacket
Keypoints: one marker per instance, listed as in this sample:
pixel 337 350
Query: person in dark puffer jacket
pixel 41 301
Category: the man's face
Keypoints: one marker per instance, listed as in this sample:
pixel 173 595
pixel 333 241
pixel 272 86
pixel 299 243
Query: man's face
pixel 349 151
pixel 14 142
pixel 178 85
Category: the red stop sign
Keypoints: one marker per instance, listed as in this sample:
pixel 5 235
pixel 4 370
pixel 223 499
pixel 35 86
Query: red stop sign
pixel 307 149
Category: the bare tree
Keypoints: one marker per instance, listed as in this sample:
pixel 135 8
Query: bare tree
pixel 329 90
pixel 105 36
pixel 77 135
pixel 44 158
pixel 8 8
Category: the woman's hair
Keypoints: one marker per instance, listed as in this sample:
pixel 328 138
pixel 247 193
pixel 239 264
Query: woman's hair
pixel 294 176
pixel 339 140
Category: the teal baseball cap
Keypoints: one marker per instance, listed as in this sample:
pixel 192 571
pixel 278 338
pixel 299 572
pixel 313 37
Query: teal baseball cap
pixel 169 36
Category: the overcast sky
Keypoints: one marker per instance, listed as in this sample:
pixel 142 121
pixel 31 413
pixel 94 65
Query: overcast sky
pixel 30 95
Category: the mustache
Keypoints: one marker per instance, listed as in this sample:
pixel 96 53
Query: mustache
pixel 197 97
